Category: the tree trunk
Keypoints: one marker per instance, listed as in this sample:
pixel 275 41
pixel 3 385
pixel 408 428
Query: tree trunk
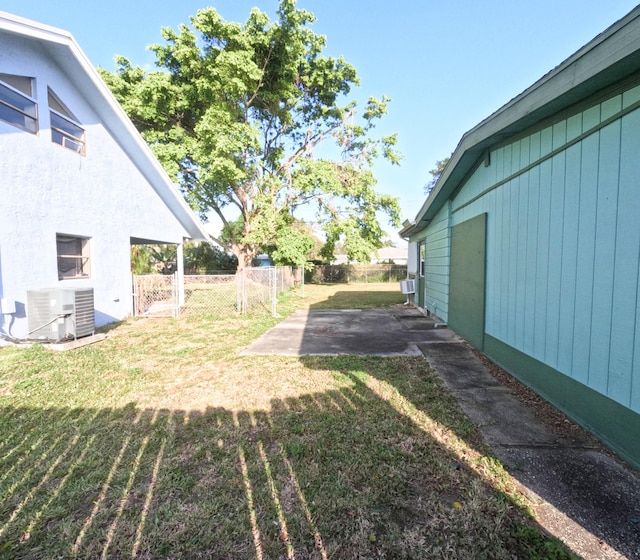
pixel 245 255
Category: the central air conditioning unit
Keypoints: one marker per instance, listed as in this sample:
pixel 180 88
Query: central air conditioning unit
pixel 56 314
pixel 408 286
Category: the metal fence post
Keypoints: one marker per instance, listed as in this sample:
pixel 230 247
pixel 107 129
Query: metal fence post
pixel 244 292
pixel 134 281
pixel 274 291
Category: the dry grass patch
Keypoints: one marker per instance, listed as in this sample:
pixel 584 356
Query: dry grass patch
pixel 164 442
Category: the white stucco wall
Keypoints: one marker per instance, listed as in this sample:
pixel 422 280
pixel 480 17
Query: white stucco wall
pixel 47 189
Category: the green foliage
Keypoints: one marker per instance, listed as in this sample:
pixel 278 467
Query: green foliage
pixel 231 230
pixel 253 117
pixel 200 258
pixel 435 174
pixel 141 259
pixel 536 545
pixel 291 247
pixel 165 257
pixel 149 259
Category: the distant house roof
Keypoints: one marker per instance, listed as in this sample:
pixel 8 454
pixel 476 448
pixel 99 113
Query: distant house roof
pixel 392 253
pixel 385 254
pixel 609 58
pixel 63 49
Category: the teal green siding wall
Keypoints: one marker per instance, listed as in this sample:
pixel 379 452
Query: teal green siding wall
pixel 563 245
pixel 613 423
pixel 438 251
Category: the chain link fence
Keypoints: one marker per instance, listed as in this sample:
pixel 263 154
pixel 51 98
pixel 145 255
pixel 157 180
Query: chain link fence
pixel 346 273
pixel 252 290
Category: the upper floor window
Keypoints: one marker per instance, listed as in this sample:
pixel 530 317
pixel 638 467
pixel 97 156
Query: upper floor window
pixel 17 106
pixel 64 128
pixel 73 257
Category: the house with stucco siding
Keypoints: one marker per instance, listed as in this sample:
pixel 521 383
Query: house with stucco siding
pixel 529 244
pixel 78 184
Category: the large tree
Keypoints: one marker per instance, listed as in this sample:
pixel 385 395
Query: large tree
pixel 253 120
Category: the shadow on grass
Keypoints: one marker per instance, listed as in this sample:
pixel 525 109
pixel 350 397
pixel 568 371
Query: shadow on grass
pixel 353 472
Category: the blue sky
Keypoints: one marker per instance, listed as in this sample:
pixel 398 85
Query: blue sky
pixel 446 64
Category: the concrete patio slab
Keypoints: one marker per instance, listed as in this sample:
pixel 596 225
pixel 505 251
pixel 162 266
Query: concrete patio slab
pixel 363 332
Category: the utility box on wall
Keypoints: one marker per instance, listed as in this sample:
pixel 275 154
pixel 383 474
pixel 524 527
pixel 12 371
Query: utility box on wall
pixel 56 314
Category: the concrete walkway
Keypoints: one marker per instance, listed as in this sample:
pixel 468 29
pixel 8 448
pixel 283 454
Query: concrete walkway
pixel 582 495
pixel 363 332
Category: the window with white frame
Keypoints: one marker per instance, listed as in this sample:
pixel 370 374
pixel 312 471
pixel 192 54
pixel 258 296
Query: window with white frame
pixel 17 105
pixel 65 129
pixel 73 257
pixel 422 253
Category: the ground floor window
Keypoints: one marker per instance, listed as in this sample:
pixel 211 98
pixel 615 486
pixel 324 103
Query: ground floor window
pixel 73 257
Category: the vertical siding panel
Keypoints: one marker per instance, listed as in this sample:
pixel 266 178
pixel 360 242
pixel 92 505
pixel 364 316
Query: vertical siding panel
pixel 525 152
pixel 504 262
pixel 610 107
pixel 494 258
pixel 506 161
pixel 437 264
pixel 634 399
pixel 515 157
pixel 532 252
pixel 546 145
pixel 496 248
pixel 498 165
pixel 534 147
pixel 627 243
pixel 604 255
pixel 590 118
pixel 540 329
pixel 569 259
pixel 521 256
pixel 555 245
pixel 587 207
pixel 630 97
pixel 574 127
pixel 559 134
pixel 516 231
pixel 490 304
pixel 523 225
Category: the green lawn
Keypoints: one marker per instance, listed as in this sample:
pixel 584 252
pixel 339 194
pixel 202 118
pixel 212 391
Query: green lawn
pixel 163 442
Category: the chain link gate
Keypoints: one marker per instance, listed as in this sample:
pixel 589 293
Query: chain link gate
pixel 156 295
